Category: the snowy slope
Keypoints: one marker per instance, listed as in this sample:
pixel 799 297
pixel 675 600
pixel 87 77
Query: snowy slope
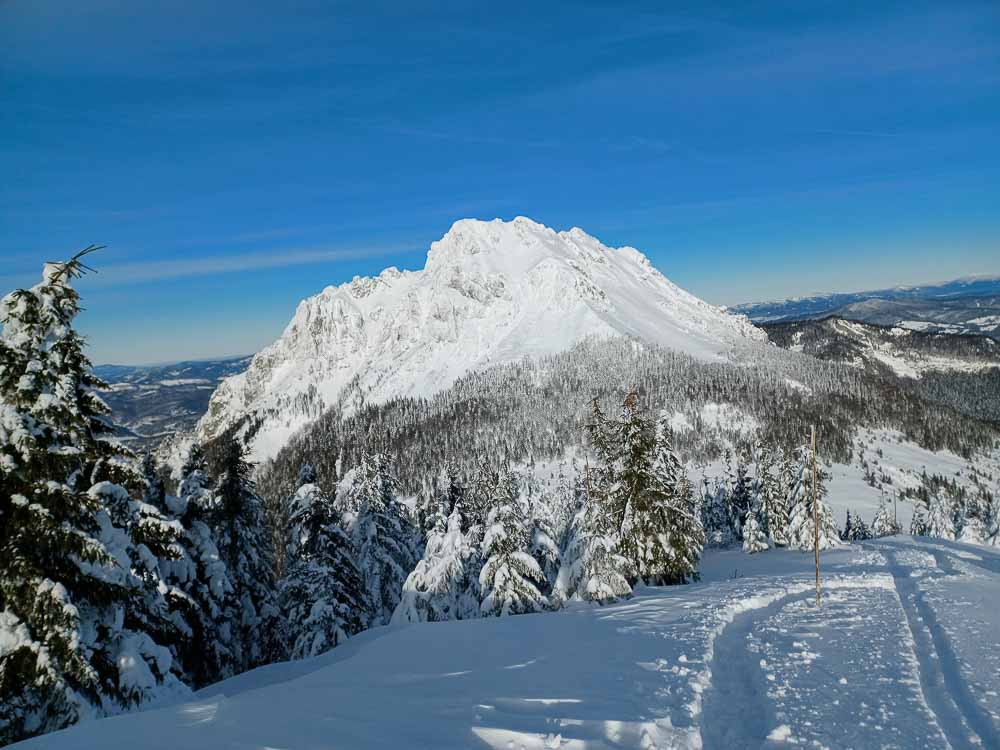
pixel 902 351
pixel 902 653
pixel 490 292
pixel 965 305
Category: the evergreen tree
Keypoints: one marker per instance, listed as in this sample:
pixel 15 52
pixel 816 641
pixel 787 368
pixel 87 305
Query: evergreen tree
pixel 542 542
pixel 855 529
pixel 451 491
pixel 884 524
pixel 79 592
pixel 566 502
pixel 688 533
pixel 715 514
pixel 630 472
pixel 511 580
pixel 849 534
pixel 244 543
pixel 863 530
pixel 201 591
pixel 918 524
pixel 593 568
pixel 440 586
pixel 989 510
pixel 475 502
pixel 801 528
pixel 787 486
pixel 740 497
pixel 381 536
pixel 754 538
pixel 767 490
pixel 662 534
pixel 322 596
pixel 940 519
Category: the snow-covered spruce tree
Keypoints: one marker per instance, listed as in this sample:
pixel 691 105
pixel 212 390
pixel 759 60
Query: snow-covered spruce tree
pixel 940 517
pixel 321 594
pixel 381 536
pixel 863 530
pixel 741 495
pixel 441 587
pixel 849 534
pixel 884 524
pixel 981 522
pixel 785 496
pixel 801 529
pixel 244 543
pixel 628 475
pixel 202 595
pixel 79 594
pixel 688 535
pixel 767 489
pixel 662 534
pixel 918 523
pixel 450 491
pixel 754 538
pixel 474 503
pixel 715 514
pixel 593 568
pixel 542 539
pixel 511 580
pixel 426 511
pixel 565 502
pixel 989 506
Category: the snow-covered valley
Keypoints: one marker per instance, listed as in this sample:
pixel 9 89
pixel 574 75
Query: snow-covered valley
pixel 903 652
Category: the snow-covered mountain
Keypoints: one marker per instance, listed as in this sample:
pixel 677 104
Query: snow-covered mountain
pixel 490 292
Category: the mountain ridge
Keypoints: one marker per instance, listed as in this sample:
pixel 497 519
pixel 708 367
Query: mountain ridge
pixel 970 304
pixel 490 292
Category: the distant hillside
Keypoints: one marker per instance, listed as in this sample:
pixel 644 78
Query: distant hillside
pixel 969 305
pixel 961 371
pixel 151 403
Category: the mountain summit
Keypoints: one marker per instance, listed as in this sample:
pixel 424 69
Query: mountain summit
pixel 490 292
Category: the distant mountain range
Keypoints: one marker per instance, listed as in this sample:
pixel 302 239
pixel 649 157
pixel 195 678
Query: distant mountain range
pixel 969 305
pixel 151 403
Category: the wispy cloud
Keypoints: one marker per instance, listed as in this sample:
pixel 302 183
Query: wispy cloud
pixel 851 133
pixel 121 274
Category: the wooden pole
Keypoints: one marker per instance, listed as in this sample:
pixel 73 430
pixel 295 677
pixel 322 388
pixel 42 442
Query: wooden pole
pixel 815 513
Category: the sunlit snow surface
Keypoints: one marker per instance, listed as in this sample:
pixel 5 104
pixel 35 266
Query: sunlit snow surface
pixel 903 653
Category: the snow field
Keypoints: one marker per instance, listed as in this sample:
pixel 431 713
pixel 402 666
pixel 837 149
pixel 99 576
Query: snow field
pixel 953 595
pixel 901 654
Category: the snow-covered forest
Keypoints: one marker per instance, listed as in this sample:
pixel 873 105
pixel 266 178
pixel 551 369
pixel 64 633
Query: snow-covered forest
pixel 125 584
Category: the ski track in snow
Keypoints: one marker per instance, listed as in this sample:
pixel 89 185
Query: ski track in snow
pixel 945 688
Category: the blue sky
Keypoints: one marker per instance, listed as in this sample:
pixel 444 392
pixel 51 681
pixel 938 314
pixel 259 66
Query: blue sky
pixel 236 157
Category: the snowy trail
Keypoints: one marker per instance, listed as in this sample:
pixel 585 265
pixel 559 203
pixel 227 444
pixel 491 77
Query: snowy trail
pixel 943 685
pixel 903 653
pixel 735 708
pixel 962 717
